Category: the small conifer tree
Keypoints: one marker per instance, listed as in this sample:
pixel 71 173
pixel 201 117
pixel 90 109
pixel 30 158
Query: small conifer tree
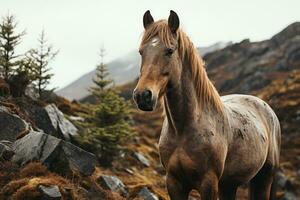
pixel 108 125
pixel 9 40
pixel 102 80
pixel 42 56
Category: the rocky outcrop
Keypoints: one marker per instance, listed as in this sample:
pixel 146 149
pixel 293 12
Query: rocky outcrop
pixel 247 66
pixel 51 120
pixel 290 31
pixel 63 125
pixel 11 125
pixel 58 155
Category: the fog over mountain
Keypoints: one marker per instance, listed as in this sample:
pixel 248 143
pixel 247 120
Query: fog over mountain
pixel 122 70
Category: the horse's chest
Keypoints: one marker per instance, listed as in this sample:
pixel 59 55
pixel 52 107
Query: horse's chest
pixel 184 157
pixel 181 163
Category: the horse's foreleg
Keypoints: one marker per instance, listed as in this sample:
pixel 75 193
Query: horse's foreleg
pixel 177 190
pixel 208 188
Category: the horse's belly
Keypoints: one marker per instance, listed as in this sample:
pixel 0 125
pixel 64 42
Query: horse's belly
pixel 244 160
pixel 249 137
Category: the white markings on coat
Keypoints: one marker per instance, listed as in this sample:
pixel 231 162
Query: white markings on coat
pixel 154 42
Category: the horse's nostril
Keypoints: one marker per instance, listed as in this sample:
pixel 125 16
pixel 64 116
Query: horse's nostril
pixel 147 95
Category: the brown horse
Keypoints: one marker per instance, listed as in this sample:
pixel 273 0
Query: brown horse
pixel 209 143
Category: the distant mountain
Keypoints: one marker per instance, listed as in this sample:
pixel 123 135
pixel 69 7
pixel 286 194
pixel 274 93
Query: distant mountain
pixel 122 70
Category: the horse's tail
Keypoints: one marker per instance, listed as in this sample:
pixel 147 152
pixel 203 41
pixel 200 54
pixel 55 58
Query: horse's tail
pixel 274 186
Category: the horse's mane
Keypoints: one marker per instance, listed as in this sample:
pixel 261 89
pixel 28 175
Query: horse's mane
pixel 205 90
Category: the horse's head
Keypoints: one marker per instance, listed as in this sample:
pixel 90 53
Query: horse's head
pixel 160 60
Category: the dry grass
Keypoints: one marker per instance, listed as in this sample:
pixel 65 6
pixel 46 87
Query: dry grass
pixel 25 182
pixel 34 169
pixel 66 106
pixel 22 184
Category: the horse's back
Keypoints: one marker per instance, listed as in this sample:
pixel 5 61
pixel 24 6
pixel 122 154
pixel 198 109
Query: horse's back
pixel 254 137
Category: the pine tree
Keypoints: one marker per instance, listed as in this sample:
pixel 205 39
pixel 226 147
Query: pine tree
pixel 102 80
pixel 42 56
pixel 108 125
pixel 9 40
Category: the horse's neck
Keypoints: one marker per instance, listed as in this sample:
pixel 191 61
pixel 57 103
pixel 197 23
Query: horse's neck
pixel 182 106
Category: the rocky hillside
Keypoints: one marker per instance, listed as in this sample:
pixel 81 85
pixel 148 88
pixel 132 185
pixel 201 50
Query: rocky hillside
pixel 39 158
pixel 122 70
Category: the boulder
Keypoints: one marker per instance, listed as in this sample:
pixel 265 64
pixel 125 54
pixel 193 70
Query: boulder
pixel 113 183
pixel 64 126
pixel 50 192
pixel 146 194
pixel 11 125
pixel 6 152
pixel 58 155
pixel 52 121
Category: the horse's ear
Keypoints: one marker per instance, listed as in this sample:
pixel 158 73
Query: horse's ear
pixel 173 21
pixel 147 19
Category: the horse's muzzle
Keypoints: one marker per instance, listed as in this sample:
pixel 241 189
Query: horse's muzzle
pixel 144 100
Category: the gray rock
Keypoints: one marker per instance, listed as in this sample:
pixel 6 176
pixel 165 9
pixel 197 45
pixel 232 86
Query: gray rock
pixel 11 125
pixel 6 152
pixel 113 183
pixel 51 120
pixel 64 126
pixel 58 155
pixel 146 194
pixel 140 157
pixel 50 192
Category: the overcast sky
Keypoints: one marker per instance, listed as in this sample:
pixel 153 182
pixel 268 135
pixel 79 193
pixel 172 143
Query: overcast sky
pixel 78 28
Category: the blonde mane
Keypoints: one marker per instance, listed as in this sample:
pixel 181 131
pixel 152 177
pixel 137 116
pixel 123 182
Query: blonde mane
pixel 205 90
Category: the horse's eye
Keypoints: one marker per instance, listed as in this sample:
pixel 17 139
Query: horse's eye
pixel 141 52
pixel 169 52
